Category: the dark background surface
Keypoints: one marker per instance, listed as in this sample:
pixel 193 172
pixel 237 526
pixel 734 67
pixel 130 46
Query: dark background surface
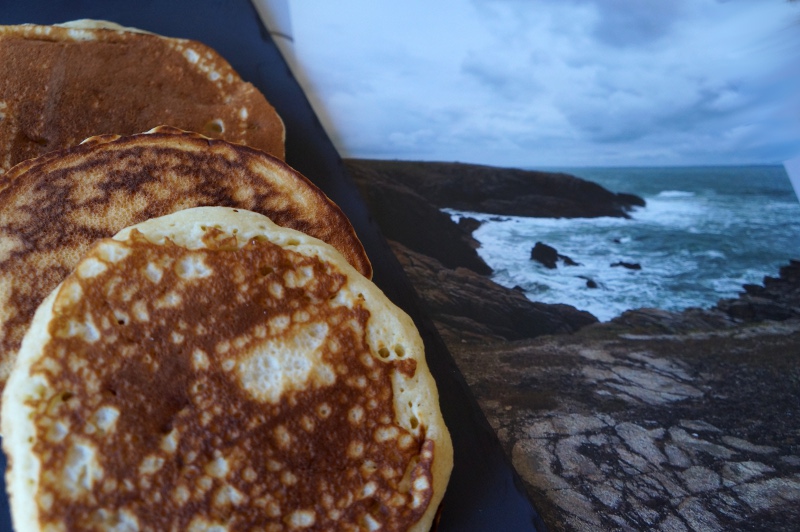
pixel 484 492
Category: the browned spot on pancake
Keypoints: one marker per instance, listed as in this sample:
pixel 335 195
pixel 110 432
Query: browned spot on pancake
pixel 150 369
pixel 54 208
pixel 56 90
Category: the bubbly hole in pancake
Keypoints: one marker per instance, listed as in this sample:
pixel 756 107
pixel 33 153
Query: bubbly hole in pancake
pixel 383 352
pixel 368 522
pixel 190 268
pixel 265 270
pixel 400 351
pixel 324 410
pixel 122 318
pixel 369 467
pixel 215 126
pixel 404 486
pixel 414 422
pixel 39 392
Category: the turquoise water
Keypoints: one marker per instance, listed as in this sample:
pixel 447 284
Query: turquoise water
pixel 704 233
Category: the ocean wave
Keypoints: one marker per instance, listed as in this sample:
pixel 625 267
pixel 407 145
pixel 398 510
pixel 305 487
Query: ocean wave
pixel 713 254
pixel 678 211
pixel 693 247
pixel 680 269
pixel 675 194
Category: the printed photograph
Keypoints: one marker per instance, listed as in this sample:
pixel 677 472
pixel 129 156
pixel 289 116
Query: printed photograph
pixel 593 201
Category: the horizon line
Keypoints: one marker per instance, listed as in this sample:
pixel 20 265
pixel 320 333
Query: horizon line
pixel 562 166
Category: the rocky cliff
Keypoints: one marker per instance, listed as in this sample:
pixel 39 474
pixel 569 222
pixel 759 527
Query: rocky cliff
pixel 468 307
pixel 656 420
pixel 777 299
pixel 405 215
pixel 504 191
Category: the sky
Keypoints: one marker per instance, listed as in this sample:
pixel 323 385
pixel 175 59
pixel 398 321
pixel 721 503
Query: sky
pixel 554 83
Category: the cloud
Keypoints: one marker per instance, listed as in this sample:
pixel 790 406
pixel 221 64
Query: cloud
pixel 635 23
pixel 556 82
pixel 619 23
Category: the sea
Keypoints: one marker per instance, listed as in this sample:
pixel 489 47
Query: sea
pixel 704 233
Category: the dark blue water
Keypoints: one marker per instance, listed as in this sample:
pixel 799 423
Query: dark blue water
pixel 704 232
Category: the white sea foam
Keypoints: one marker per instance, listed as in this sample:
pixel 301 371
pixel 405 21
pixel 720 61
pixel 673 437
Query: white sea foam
pixel 679 212
pixel 694 247
pixel 675 194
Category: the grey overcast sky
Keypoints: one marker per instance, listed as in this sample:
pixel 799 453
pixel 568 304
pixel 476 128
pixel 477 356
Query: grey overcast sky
pixel 537 83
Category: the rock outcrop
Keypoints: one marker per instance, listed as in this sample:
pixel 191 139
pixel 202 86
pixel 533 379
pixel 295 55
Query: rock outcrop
pixel 545 255
pixel 407 217
pixel 549 256
pixel 778 299
pixel 505 191
pixel 627 265
pixel 468 307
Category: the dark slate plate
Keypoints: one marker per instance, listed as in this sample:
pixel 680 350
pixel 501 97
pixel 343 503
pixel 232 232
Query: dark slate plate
pixel 484 492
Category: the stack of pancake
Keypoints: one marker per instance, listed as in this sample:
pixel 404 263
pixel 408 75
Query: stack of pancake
pixel 189 339
pixel 62 84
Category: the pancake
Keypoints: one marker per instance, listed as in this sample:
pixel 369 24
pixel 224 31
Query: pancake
pixel 210 370
pixel 62 84
pixel 54 207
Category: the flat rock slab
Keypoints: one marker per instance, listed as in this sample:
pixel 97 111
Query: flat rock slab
pixel 636 432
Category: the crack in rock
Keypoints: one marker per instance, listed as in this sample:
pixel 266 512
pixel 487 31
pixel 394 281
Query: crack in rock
pixel 640 466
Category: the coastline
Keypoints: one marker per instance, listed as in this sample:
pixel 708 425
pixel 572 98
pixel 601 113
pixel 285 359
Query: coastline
pixel 703 234
pixel 654 419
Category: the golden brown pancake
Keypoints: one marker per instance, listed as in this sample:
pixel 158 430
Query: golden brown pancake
pixel 60 85
pixel 209 370
pixel 53 208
